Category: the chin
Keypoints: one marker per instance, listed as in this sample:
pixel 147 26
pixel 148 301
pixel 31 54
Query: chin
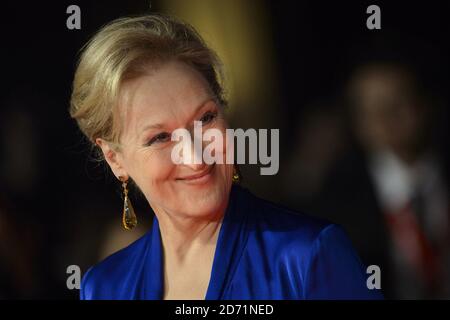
pixel 204 202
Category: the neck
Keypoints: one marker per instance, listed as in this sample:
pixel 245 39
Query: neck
pixel 181 235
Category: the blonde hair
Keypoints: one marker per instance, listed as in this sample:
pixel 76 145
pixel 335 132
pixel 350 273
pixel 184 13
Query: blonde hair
pixel 122 50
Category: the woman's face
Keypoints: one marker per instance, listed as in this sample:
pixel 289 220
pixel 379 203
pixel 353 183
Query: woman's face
pixel 151 107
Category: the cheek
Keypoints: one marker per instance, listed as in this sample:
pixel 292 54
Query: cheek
pixel 153 169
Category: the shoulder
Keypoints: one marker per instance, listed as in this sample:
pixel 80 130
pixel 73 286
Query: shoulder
pixel 286 224
pixel 328 266
pixel 109 275
pixel 298 229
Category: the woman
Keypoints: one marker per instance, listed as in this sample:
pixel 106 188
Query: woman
pixel 137 81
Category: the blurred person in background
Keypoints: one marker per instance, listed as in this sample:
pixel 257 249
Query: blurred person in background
pixel 22 227
pixel 390 191
pixel 319 140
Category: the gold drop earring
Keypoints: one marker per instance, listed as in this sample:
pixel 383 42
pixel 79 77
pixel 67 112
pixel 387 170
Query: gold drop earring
pixel 129 220
pixel 236 176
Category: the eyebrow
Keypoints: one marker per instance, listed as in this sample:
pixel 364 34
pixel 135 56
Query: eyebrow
pixel 160 125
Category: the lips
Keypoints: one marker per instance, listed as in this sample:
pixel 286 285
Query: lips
pixel 198 177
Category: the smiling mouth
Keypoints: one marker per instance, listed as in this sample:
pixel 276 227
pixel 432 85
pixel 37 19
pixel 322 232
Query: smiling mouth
pixel 199 177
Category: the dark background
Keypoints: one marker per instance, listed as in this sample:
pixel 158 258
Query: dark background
pixel 55 201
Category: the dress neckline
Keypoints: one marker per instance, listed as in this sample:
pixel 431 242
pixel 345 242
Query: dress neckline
pixel 231 242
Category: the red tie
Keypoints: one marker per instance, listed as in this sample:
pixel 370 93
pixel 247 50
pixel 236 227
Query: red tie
pixel 410 238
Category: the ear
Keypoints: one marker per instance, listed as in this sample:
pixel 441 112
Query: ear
pixel 113 158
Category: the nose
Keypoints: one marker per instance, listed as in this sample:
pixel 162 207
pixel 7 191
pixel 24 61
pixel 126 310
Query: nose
pixel 196 162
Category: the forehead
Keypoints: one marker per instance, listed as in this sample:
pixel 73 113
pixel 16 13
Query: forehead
pixel 166 95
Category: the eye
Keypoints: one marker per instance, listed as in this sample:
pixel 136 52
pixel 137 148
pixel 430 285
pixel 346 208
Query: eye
pixel 208 117
pixel 161 137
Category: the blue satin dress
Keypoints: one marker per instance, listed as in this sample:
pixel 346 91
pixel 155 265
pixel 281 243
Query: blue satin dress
pixel 263 252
